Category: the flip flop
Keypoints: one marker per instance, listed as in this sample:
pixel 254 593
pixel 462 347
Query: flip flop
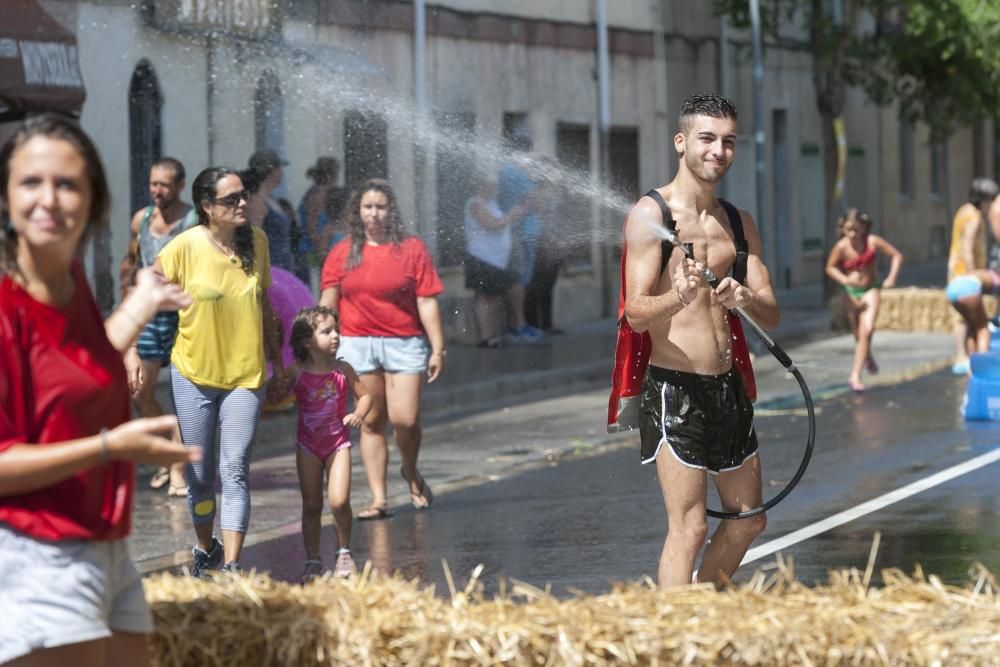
pixel 374 513
pixel 159 478
pixel 423 498
pixel 856 387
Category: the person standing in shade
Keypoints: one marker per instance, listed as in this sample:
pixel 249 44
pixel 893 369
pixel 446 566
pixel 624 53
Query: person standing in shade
pixel 69 590
pixel 967 254
pixel 218 366
pixel 320 210
pixel 263 174
pixel 549 256
pixel 515 189
pixel 695 417
pixel 488 247
pixel 383 285
pixel 152 228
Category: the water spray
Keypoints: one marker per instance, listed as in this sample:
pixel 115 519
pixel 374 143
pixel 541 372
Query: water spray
pixel 671 237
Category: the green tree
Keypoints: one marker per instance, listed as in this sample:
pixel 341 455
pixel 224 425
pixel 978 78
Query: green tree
pixel 936 58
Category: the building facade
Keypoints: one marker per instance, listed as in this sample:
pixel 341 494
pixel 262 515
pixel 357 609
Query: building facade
pixel 210 81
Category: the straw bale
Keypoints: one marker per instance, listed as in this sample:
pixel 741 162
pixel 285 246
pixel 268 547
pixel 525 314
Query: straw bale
pixel 912 309
pixel 771 620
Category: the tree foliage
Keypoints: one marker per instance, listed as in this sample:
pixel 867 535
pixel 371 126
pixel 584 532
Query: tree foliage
pixel 938 59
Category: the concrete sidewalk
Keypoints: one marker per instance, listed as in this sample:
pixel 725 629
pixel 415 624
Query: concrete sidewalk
pixel 496 412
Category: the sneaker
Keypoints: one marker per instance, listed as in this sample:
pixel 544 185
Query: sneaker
pixel 233 567
pixel 312 570
pixel 206 560
pixel 345 566
pixel 525 335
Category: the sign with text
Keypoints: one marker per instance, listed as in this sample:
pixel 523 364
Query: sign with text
pixel 254 18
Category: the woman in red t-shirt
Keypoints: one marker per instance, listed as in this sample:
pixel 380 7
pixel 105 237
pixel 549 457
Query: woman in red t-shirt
pixel 69 592
pixel 383 284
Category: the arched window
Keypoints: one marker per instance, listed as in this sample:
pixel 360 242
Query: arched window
pixel 144 123
pixel 269 114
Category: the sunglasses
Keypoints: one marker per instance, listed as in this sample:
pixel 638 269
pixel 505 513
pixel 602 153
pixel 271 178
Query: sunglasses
pixel 233 200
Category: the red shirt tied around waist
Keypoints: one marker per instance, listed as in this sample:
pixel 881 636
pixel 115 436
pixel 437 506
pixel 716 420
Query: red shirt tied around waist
pixel 61 379
pixel 379 296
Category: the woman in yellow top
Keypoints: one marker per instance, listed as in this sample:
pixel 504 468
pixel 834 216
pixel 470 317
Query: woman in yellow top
pixel 218 366
pixel 968 254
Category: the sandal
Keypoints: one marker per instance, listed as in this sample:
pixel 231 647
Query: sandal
pixel 423 498
pixel 159 478
pixel 177 491
pixel 374 513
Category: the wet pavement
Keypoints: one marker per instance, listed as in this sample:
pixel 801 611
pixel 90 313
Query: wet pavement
pixel 537 492
pixel 588 520
pixel 528 483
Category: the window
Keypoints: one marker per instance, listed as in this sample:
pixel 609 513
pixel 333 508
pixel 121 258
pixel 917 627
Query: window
pixel 623 161
pixel 144 123
pixel 145 104
pixel 905 160
pixel 269 114
pixel 573 154
pixel 515 124
pixel 811 197
pixel 365 148
pixel 456 182
pixel 937 170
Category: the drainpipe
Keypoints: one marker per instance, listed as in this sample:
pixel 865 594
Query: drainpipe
pixel 602 246
pixel 661 87
pixel 423 148
pixel 759 131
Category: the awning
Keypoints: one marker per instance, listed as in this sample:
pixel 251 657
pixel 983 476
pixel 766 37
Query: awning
pixel 39 66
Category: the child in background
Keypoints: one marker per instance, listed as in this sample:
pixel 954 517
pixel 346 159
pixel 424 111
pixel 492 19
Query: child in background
pixel 321 383
pixel 852 264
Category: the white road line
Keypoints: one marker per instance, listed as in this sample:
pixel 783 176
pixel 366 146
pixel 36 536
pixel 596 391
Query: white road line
pixel 873 505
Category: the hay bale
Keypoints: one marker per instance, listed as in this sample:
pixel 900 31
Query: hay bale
pixel 910 309
pixel 772 620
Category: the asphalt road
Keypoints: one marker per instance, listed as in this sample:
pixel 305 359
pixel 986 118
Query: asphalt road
pixel 581 523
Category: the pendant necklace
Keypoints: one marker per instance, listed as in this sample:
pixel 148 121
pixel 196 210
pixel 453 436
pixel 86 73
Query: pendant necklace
pixel 230 254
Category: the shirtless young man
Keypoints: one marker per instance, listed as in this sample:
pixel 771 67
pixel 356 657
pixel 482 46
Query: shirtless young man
pixel 151 229
pixel 695 417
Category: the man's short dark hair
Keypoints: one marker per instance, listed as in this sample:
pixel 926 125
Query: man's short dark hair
pixel 171 163
pixel 711 104
pixel 983 190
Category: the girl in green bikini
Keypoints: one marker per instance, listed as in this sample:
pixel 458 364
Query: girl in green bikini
pixel 852 264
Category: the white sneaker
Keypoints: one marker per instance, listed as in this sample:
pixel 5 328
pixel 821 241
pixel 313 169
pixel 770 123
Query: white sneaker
pixel 345 566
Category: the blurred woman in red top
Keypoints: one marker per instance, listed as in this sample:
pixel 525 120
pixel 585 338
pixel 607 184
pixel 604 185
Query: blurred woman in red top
pixel 383 284
pixel 68 588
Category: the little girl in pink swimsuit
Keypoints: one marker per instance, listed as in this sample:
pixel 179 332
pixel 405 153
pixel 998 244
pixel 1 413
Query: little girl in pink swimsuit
pixel 321 383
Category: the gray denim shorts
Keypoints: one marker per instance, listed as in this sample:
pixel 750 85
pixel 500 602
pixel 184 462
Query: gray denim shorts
pixel 69 592
pixel 368 354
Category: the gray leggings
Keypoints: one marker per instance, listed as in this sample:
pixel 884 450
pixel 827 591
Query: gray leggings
pixel 201 411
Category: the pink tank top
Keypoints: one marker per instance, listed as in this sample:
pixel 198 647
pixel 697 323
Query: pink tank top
pixel 322 403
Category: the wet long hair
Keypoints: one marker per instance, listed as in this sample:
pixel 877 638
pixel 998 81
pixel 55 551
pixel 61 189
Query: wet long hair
pixel 204 189
pixel 356 228
pixel 52 126
pixel 304 326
